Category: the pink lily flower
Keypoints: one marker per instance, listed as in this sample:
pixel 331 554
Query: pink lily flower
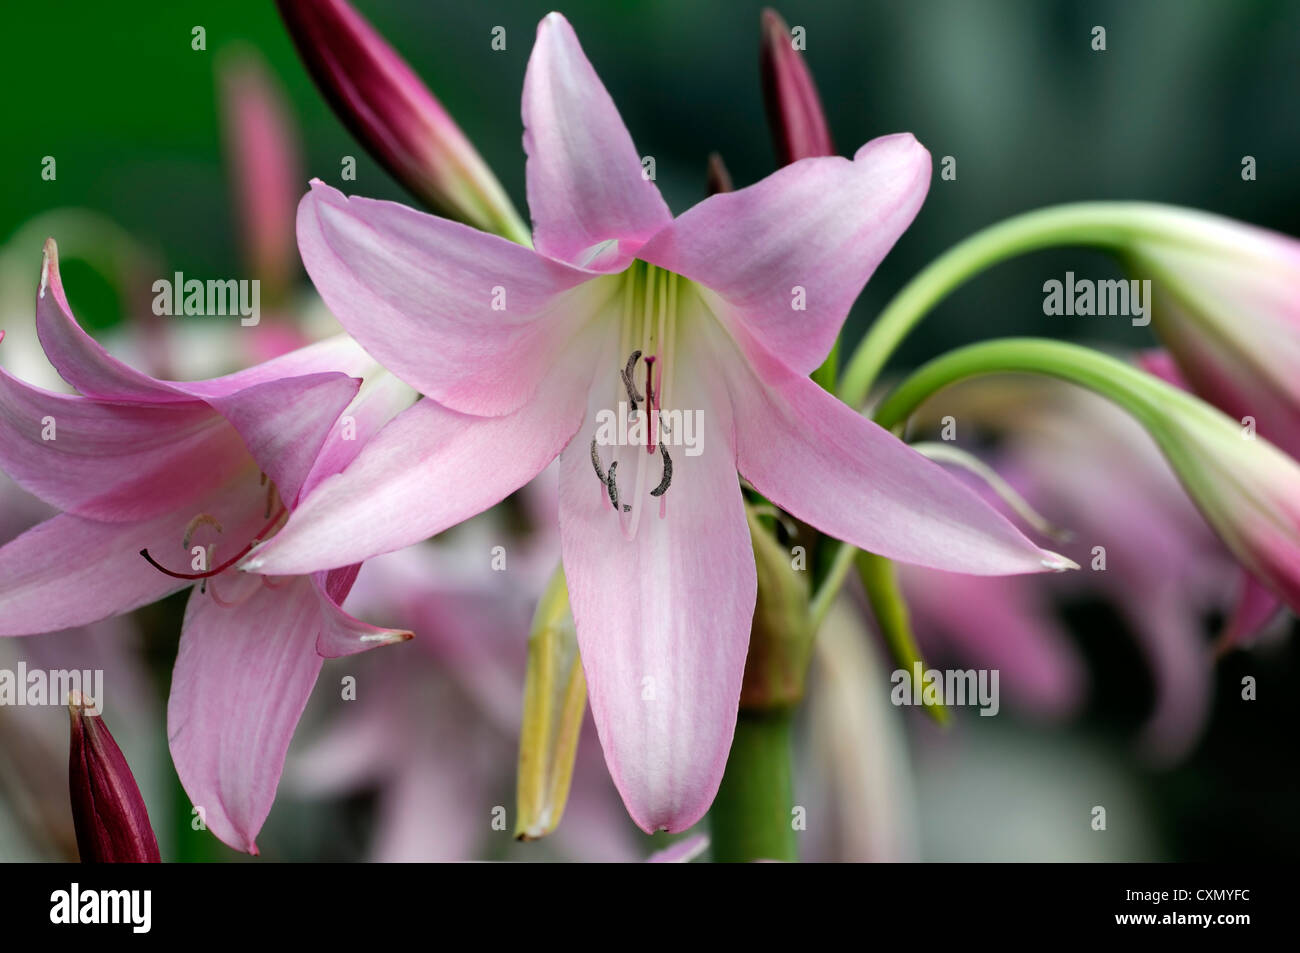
pixel 715 317
pixel 188 476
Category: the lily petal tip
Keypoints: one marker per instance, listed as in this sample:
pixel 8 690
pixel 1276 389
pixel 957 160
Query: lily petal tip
pixel 1058 563
pixel 389 637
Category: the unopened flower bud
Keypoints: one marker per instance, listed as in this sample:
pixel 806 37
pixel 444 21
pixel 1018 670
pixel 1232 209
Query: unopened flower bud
pixel 794 110
pixel 108 812
pixel 393 114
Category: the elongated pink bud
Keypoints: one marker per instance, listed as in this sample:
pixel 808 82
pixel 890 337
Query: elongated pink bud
pixel 719 178
pixel 263 157
pixel 107 810
pixel 794 110
pixel 393 114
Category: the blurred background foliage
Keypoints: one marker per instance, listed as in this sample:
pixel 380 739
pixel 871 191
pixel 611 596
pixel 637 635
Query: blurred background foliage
pixel 1011 88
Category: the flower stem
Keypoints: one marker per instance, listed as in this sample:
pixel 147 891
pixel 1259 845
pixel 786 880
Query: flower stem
pixel 1105 224
pixel 752 816
pixel 1109 225
pixel 1110 377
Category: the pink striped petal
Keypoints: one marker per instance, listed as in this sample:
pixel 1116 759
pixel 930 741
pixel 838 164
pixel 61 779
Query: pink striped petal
pixel 428 470
pixel 242 678
pixel 831 467
pixel 79 358
pixel 469 319
pixel 285 423
pixel 113 461
pixel 662 619
pixel 70 571
pixel 585 181
pixel 788 256
pixel 340 633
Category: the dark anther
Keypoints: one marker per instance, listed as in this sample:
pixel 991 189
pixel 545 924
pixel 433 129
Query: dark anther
pixel 611 486
pixel 662 488
pixel 595 461
pixel 632 396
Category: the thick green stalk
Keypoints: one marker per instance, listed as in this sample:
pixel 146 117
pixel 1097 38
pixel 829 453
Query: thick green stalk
pixel 753 816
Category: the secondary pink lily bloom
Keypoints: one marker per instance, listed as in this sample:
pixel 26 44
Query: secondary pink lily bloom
pixel 705 327
pixel 164 484
pixel 1160 566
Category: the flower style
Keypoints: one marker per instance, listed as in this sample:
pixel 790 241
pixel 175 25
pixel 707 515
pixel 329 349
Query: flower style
pixel 146 470
pixel 696 336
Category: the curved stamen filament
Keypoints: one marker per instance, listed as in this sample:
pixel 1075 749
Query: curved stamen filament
pixel 651 403
pixel 203 519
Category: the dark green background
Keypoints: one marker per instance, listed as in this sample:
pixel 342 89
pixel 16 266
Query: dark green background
pixel 1011 88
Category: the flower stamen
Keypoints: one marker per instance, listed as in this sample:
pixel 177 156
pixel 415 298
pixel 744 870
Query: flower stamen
pixel 632 396
pixel 667 479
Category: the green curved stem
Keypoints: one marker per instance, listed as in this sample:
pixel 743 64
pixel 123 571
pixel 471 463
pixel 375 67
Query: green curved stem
pixel 1136 392
pixel 1111 225
pixel 1106 224
pixel 1131 389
